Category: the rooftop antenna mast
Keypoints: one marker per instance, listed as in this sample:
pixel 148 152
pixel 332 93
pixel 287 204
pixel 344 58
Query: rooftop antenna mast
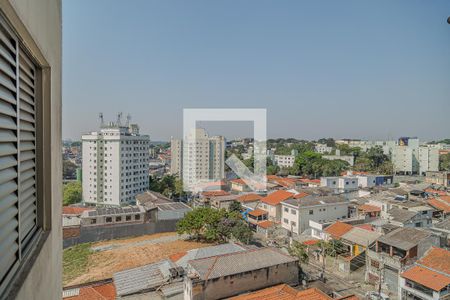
pixel 119 119
pixel 128 120
pixel 100 117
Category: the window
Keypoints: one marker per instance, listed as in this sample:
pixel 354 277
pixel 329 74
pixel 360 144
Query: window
pixel 293 211
pixel 20 216
pixel 118 219
pixel 93 221
pixel 311 212
pixel 128 218
pixel 137 217
pixel 293 223
pixel 286 221
pixel 108 219
pixel 286 209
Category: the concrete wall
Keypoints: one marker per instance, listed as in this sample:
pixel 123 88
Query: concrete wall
pixel 228 286
pixel 100 233
pixel 38 23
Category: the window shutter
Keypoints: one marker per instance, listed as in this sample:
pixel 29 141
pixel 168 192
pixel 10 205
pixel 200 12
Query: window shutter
pixel 18 219
pixel 27 150
pixel 9 211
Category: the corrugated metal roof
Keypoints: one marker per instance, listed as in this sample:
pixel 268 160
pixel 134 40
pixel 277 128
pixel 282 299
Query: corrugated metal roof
pixel 142 278
pixel 361 236
pixel 404 238
pixel 172 289
pixel 239 262
pixel 208 252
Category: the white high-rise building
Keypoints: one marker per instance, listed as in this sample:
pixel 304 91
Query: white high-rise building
pixel 115 164
pixel 206 162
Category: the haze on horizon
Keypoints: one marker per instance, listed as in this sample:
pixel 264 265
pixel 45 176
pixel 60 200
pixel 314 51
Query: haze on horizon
pixel 365 70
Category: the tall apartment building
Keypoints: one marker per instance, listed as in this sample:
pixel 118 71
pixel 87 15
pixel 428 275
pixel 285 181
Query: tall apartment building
pixel 206 162
pixel 115 164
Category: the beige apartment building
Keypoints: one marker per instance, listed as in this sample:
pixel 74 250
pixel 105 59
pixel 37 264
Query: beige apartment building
pixel 198 159
pixel 30 149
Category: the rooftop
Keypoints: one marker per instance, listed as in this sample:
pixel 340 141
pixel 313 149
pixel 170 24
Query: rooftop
pixel 252 197
pixel 152 198
pixel 97 291
pixel 404 238
pixel 142 278
pixel 75 210
pixel 193 254
pixel 239 262
pixel 437 259
pixel 316 201
pixel 266 224
pixel 257 212
pixel 361 236
pixel 214 193
pixel 338 229
pixel 277 197
pixel 283 292
pixel 369 208
pixel 439 205
pixel 401 215
pixel 426 277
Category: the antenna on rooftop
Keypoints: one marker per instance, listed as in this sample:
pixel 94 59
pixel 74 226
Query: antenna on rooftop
pixel 100 117
pixel 128 120
pixel 119 119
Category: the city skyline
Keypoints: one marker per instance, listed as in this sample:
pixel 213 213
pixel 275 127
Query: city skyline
pixel 315 72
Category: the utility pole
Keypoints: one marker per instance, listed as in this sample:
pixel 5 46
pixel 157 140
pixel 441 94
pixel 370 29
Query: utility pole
pixel 322 276
pixel 381 268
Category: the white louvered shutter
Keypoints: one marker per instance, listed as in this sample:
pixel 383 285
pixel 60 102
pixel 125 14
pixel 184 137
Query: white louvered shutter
pixel 18 205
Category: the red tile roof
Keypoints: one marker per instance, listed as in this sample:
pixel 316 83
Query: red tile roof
pixel 310 242
pixel 175 257
pixel 439 205
pixel 283 292
pixel 437 259
pixel 73 210
pixel 305 180
pixel 276 197
pixel 338 229
pixel 258 212
pixel 238 181
pixel 266 224
pixel 431 279
pixel 96 292
pixel 249 198
pixel 366 227
pixel 369 208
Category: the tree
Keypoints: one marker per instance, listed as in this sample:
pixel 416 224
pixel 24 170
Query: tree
pixel 213 225
pixel 69 169
pixel 168 185
pixel 235 206
pixel 72 193
pixel 444 162
pixel 300 251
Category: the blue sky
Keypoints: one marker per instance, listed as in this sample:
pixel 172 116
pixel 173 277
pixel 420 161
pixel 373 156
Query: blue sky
pixel 356 69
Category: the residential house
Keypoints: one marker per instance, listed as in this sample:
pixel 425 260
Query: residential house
pixel 369 211
pixel 236 273
pixel 204 198
pixel 224 202
pixel 256 216
pixel 272 203
pixel 341 183
pixel 99 290
pixel 441 205
pixel 438 177
pixel 408 218
pixel 239 185
pixel 249 198
pixel 428 278
pixel 296 213
pixel 393 252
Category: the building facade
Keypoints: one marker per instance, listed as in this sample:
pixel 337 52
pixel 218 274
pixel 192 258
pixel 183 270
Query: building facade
pixel 115 164
pixel 198 159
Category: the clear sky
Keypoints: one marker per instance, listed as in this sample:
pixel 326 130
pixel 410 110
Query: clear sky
pixel 356 69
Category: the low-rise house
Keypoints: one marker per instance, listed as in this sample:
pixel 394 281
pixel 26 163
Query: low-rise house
pixel 236 273
pixel 337 230
pixel 101 290
pixel 284 292
pixel 151 199
pixel 296 213
pixel 340 183
pixel 249 198
pixel 224 202
pixel 428 278
pixel 272 203
pixel 264 227
pixel 408 218
pixel 393 252
pixel 369 211
pixel 442 229
pixel 441 205
pixel 204 198
pixel 114 215
pixel 239 185
pixel 256 216
pixel 438 177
